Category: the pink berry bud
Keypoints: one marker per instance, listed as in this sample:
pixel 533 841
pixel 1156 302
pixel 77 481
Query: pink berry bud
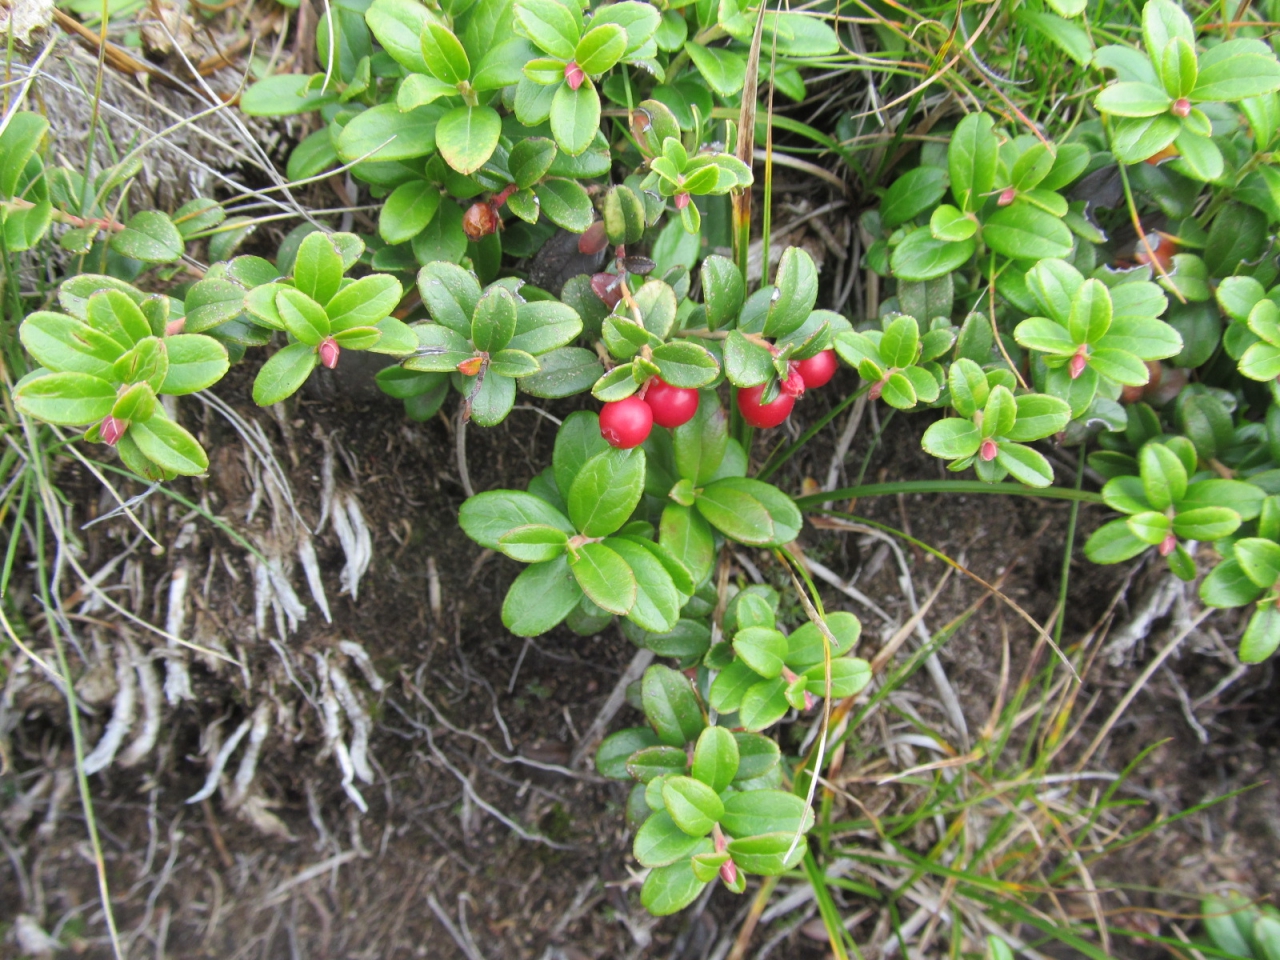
pixel 1007 196
pixel 988 450
pixel 573 75
pixel 729 872
pixel 1181 107
pixel 1168 545
pixel 112 429
pixel 329 352
pixel 1079 361
pixel 174 327
pixel 682 201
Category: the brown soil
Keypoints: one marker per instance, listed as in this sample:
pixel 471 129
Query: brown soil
pixel 195 881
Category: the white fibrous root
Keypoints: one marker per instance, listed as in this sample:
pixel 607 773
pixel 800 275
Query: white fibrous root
pixel 177 681
pixel 357 543
pixel 256 811
pixel 294 609
pixel 23 808
pixel 332 713
pixel 360 723
pixel 152 705
pixel 260 726
pixel 219 764
pixel 311 567
pixel 63 780
pixel 261 595
pixel 121 715
pixel 31 938
pixel 361 658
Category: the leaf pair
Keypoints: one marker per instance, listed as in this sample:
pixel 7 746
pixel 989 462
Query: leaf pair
pixel 109 357
pixel 1006 196
pixel 897 361
pixel 321 309
pixel 764 673
pixel 1249 571
pixel 1154 96
pixel 1091 335
pixel 580 545
pixel 1165 506
pixel 486 339
pixel 716 789
pixel 560 86
pixel 994 426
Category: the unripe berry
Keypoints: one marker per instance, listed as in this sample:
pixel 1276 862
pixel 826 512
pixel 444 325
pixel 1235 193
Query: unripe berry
pixel 329 352
pixel 626 423
pixel 794 385
pixel 479 221
pixel 671 406
pixel 818 370
pixel 763 414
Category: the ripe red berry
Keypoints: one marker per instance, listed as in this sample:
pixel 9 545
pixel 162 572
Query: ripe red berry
pixel 818 370
pixel 671 406
pixel 626 423
pixel 763 414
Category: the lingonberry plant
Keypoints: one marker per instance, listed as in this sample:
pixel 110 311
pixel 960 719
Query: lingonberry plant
pixel 1012 314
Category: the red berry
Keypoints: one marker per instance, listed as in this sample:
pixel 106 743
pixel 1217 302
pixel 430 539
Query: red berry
pixel 626 423
pixel 794 385
pixel 671 406
pixel 763 414
pixel 818 370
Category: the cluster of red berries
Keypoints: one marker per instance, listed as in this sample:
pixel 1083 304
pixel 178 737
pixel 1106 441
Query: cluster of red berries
pixel 627 423
pixel 802 375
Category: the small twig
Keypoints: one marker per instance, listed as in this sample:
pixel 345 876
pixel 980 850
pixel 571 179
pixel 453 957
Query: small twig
pixel 460 446
pixel 465 944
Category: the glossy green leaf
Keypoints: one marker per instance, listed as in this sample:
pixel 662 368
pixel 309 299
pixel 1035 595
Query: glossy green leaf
pixel 671 707
pixel 284 373
pixel 541 597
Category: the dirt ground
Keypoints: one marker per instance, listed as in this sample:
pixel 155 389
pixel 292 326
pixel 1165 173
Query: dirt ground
pixel 437 866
